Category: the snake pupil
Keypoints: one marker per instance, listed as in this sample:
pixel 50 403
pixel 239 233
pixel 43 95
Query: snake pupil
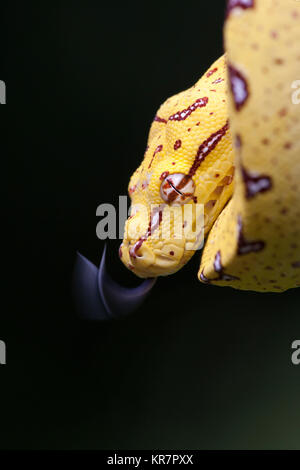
pixel 177 188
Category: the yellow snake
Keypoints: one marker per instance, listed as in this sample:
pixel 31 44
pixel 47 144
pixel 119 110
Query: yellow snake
pixel 231 143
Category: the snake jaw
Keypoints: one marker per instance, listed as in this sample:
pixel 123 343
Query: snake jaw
pixel 150 255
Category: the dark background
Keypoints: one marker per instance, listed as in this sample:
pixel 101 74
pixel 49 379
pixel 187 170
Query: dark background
pixel 84 80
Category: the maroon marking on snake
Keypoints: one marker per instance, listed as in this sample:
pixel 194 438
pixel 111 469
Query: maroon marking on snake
pixel 177 144
pixel 209 74
pixel 245 246
pixel 145 184
pixel 244 4
pixel 207 147
pixel 218 267
pixel 239 87
pixel 133 250
pixel 164 175
pixel 172 253
pixel 238 142
pixel 204 150
pixel 182 115
pixel 132 189
pixel 203 278
pixel 219 80
pixel 157 150
pixel 154 223
pixel 255 184
pixel 159 119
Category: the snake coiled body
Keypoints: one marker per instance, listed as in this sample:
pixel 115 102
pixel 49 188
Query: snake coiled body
pixel 232 144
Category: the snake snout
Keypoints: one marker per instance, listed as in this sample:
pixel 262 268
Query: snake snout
pixel 150 253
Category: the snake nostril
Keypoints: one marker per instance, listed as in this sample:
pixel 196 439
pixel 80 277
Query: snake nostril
pixel 134 251
pixel 177 188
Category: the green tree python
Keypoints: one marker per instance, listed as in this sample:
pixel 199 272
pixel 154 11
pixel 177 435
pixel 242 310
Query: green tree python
pixel 232 144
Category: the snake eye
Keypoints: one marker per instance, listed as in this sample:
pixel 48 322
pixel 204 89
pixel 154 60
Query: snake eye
pixel 177 188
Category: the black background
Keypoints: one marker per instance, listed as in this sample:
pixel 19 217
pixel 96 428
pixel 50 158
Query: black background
pixel 197 366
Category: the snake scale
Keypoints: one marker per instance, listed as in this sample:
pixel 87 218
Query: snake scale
pixel 231 143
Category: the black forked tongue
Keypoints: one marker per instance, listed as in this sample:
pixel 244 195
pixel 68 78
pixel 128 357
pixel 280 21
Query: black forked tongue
pixel 99 297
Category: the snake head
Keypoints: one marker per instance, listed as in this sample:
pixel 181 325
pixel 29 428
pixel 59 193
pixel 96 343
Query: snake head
pixel 184 180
